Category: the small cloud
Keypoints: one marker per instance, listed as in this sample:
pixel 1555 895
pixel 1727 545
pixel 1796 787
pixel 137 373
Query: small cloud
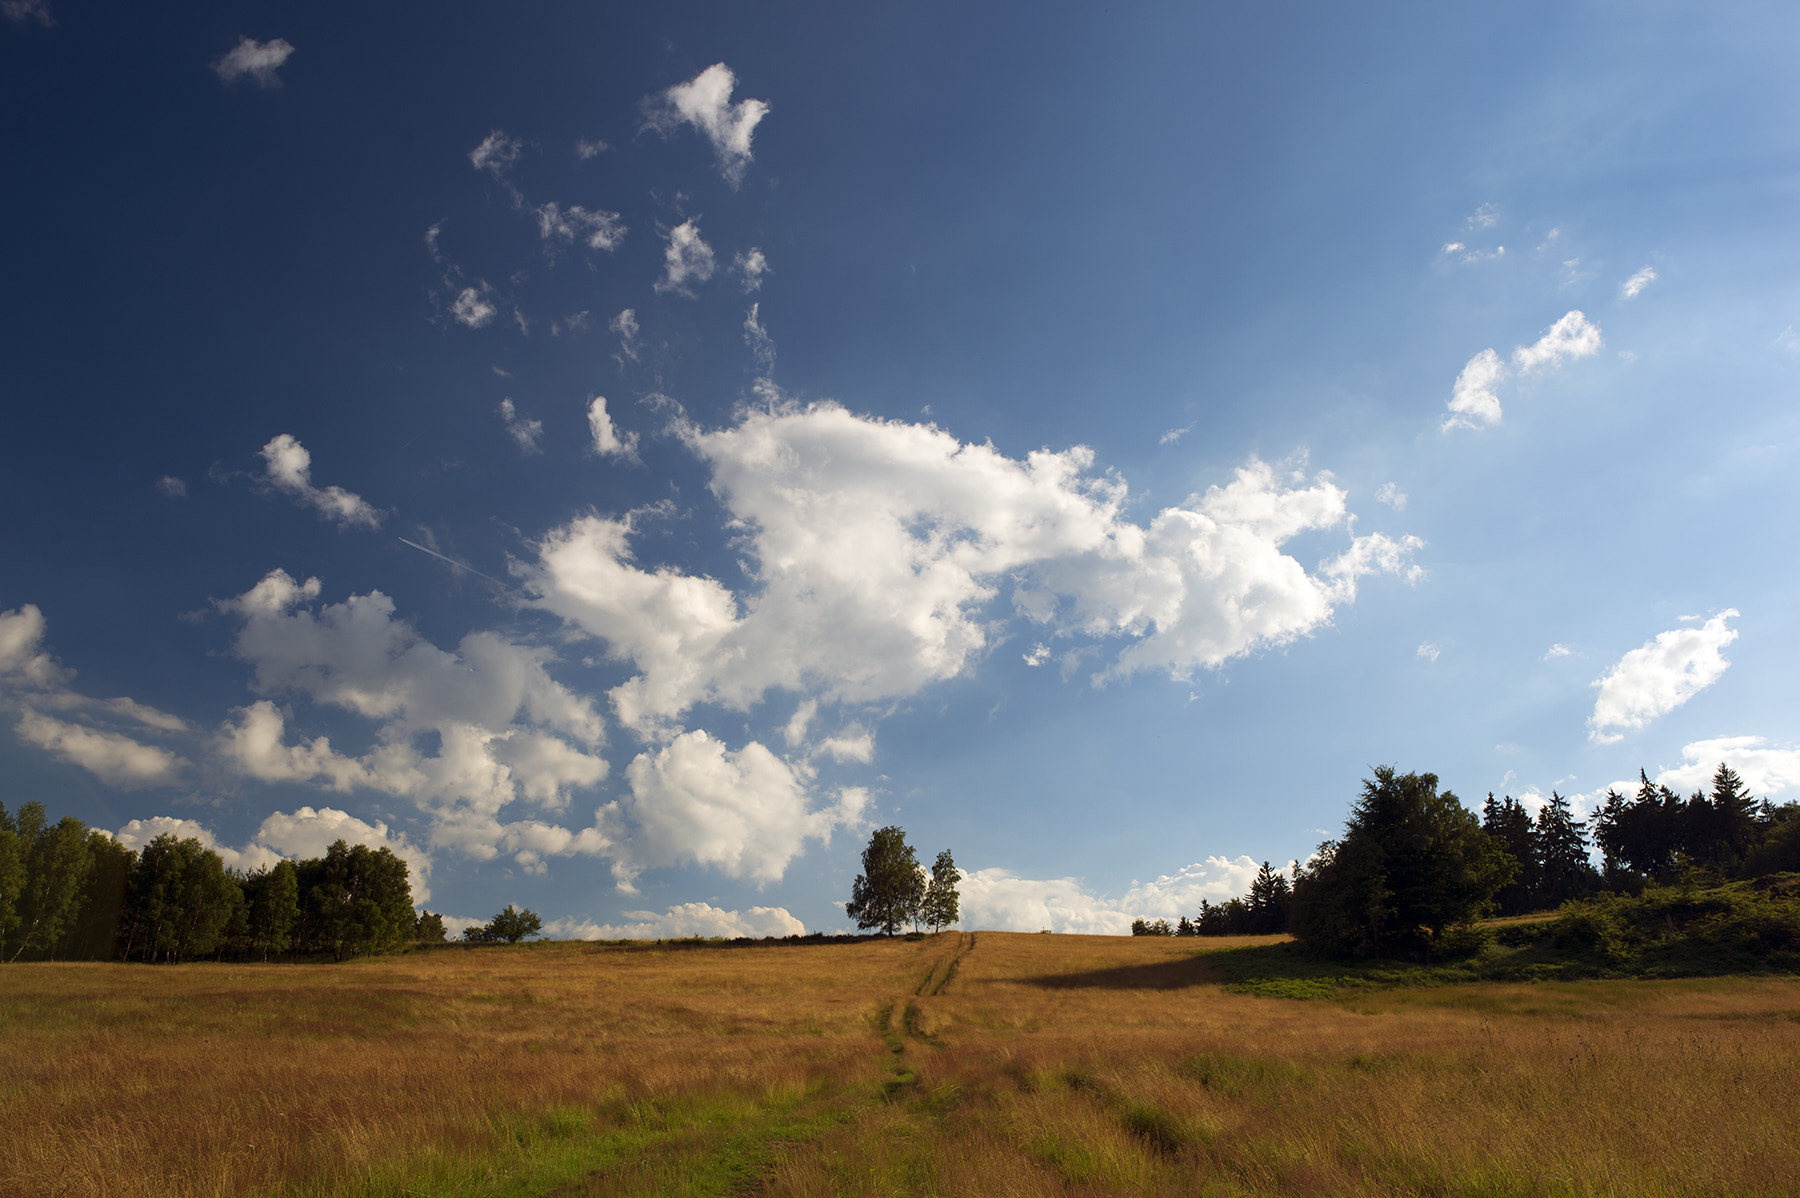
pixel 1485 217
pixel 1463 253
pixel 586 149
pixel 288 467
pixel 1429 651
pixel 472 307
pixel 608 441
pixel 1040 653
pixel 598 230
pixel 257 60
pixel 1392 495
pixel 762 347
pixel 1557 650
pixel 1635 285
pixel 1170 436
pixel 496 154
pixel 1475 399
pixel 21 11
pixel 1626 355
pixel 171 486
pixel 625 324
pixel 752 266
pixel 575 322
pixel 1574 336
pixel 1787 341
pixel 1550 239
pixel 526 432
pixel 686 260
pixel 705 103
pixel 1660 676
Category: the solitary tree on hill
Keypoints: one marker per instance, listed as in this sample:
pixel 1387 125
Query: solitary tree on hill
pixel 891 886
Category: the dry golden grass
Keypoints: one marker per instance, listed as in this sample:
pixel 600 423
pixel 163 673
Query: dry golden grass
pixel 993 1064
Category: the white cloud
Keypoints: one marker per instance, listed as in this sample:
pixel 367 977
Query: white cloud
pixel 625 324
pixel 598 229
pixel 1039 654
pixel 172 487
pixel 1557 650
pixel 1392 495
pixel 752 266
pixel 1429 651
pixel 1767 769
pixel 473 308
pixel 1635 285
pixel 1659 677
pixel 1485 217
pixel 1573 336
pixel 1475 400
pixel 526 432
pixel 745 813
pixel 1000 900
pixel 686 260
pixel 112 757
pixel 302 834
pixel 1787 341
pixel 586 148
pixel 498 728
pixel 496 154
pixel 1172 435
pixel 255 60
pixel 1463 253
pixel 608 441
pixel 705 103
pixel 23 658
pixel 877 547
pixel 289 468
pixel 687 919
pixel 762 346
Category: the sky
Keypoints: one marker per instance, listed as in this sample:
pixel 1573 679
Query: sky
pixel 618 456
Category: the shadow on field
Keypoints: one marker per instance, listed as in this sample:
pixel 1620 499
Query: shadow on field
pixel 1161 975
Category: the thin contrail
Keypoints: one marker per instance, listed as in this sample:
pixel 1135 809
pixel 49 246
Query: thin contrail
pixel 454 562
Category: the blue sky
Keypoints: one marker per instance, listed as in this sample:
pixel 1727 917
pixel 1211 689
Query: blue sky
pixel 619 457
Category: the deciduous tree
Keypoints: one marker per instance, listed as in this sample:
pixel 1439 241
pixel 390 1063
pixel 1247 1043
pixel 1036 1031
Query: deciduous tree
pixel 891 886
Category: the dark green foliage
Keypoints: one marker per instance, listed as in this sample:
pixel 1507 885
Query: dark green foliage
pixel 428 928
pixel 12 877
pixel 93 934
pixel 179 902
pixel 272 910
pixel 1229 918
pixel 942 905
pixel 1411 864
pixel 1151 927
pixel 891 886
pixel 354 901
pixel 1511 826
pixel 1561 844
pixel 509 927
pixel 56 864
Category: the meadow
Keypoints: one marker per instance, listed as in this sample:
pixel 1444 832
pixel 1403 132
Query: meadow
pixel 985 1063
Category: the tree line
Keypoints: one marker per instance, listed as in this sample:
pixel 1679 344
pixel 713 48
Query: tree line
pixel 71 893
pixel 1414 866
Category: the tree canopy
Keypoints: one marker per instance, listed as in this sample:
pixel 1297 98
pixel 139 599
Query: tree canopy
pixel 891 887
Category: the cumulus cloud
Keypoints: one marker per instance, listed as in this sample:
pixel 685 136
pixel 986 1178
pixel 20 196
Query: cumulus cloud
pixel 288 468
pixel 463 734
pixel 1557 650
pixel 751 267
pixel 687 919
pixel 1767 769
pixel 114 758
pixel 297 835
pixel 608 441
pixel 686 260
pixel 474 307
pixel 251 59
pixel 526 432
pixel 597 229
pixel 1660 676
pixel 745 813
pixel 705 103
pixel 1634 286
pixel 877 548
pixel 1475 399
pixel 1000 900
pixel 1392 495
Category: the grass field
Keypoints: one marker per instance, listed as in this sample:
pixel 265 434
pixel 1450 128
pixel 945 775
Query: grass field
pixel 975 1064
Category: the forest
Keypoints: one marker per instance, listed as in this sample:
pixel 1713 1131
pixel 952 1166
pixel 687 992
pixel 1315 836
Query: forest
pixel 1414 865
pixel 71 893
